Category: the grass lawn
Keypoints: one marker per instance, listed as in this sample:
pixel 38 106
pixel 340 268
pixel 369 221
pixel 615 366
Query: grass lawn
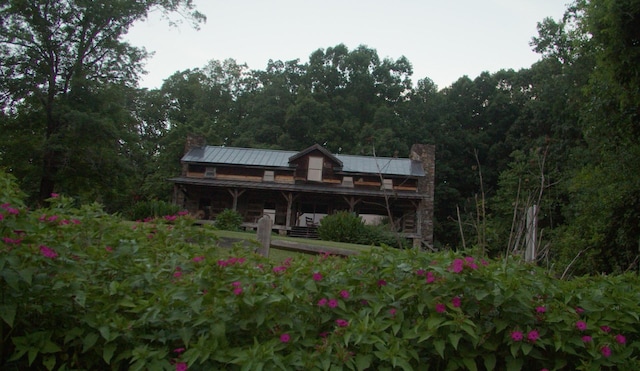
pixel 280 255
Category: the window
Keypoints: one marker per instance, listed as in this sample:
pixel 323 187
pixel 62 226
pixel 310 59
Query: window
pixel 315 169
pixel 387 184
pixel 210 172
pixel 347 181
pixel 268 176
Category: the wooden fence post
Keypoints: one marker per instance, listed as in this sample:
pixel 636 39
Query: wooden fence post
pixel 264 235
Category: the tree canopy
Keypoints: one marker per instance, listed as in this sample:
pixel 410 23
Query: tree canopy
pixel 559 134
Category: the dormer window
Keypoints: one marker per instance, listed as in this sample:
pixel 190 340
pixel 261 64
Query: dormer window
pixel 268 176
pixel 314 172
pixel 210 172
pixel 347 181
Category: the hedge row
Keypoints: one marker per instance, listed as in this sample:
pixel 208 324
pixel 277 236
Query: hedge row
pixel 81 289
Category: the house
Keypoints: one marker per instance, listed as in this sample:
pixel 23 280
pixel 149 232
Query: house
pixel 296 189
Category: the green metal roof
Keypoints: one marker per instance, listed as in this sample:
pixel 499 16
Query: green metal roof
pixel 217 155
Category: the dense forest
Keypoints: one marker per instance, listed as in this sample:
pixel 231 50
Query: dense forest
pixel 561 134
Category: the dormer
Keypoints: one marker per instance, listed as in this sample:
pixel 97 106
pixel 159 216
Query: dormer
pixel 315 163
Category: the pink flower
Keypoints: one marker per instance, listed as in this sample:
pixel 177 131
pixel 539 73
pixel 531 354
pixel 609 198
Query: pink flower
pixel 606 351
pixel 48 252
pixel 1 216
pixel 333 303
pixel 12 210
pixel 198 259
pixel 587 339
pixel 606 329
pixel 11 241
pixel 183 213
pixel 541 309
pixel 323 334
pixel 317 276
pixel 621 339
pixel 237 291
pixel 420 272
pixel 456 302
pixel 457 266
pixel 55 195
pixel 322 302
pixel 382 283
pixel 178 350
pixel 430 277
pixel 533 335
pixel 279 269
pixel 177 274
pixel 516 336
pixel 392 312
pixel 285 338
pixel 171 217
pixel 108 248
pixel 236 284
pixel 579 310
pixel 342 323
pixel 344 294
pixel 441 308
pixel 181 366
pixel 581 325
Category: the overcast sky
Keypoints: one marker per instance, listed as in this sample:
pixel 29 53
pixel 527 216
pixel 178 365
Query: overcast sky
pixel 443 39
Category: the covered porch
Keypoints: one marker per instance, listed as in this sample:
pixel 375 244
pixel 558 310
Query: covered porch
pixel 294 207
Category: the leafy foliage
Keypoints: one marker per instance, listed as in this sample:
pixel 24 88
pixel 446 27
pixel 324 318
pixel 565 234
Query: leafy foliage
pixel 73 122
pixel 145 210
pixel 228 220
pixel 82 289
pixel 342 226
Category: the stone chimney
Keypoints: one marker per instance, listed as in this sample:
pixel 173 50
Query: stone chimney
pixel 425 153
pixel 193 141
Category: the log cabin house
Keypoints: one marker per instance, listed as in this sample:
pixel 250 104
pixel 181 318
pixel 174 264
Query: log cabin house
pixel 296 189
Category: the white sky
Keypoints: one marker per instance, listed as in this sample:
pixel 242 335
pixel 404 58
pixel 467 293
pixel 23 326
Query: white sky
pixel 443 39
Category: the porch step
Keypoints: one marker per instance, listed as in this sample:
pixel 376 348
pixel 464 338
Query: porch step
pixel 304 232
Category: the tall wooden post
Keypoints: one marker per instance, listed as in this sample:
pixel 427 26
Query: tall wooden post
pixel 264 235
pixel 532 234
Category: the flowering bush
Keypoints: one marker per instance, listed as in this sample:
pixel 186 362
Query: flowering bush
pixel 81 289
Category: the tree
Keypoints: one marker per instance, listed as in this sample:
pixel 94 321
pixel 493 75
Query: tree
pixel 49 48
pixel 604 191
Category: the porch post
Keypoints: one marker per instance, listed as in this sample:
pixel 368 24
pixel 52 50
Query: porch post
pixel 235 193
pixel 290 198
pixel 352 201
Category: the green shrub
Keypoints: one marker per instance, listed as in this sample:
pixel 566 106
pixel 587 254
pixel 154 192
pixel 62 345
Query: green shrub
pixel 379 235
pixel 342 226
pixel 228 220
pixel 151 209
pixel 81 289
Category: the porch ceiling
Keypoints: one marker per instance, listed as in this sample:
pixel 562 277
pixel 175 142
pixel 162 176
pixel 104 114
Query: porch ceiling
pixel 303 188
